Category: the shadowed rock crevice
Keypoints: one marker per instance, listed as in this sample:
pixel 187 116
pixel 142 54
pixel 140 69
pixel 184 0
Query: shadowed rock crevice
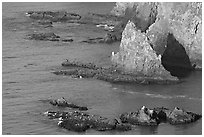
pixel 175 59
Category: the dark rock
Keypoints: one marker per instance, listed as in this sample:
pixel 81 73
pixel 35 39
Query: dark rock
pixel 73 125
pixel 94 40
pixel 63 103
pixel 67 40
pixel 80 122
pixel 180 116
pixel 144 116
pixel 162 113
pixel 44 36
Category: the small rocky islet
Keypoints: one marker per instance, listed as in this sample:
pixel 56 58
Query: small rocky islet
pixel 80 121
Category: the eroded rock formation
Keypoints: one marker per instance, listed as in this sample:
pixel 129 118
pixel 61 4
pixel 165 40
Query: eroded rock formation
pixel 157 20
pixel 137 56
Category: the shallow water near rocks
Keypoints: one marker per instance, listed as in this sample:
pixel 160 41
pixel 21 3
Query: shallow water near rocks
pixel 27 80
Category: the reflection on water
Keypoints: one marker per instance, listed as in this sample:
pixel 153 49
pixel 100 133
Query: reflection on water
pixel 27 79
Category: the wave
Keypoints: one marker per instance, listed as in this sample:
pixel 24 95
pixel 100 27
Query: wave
pixel 161 96
pixel 172 97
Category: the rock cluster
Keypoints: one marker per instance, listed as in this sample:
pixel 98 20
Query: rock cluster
pixel 80 121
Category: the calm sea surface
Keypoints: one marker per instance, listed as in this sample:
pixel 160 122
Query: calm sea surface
pixel 27 78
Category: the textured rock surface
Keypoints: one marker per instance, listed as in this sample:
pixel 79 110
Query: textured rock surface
pixel 180 116
pixel 137 56
pixel 111 74
pixel 144 116
pixel 80 121
pixel 183 20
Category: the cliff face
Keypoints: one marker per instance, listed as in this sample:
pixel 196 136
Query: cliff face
pixel 150 26
pixel 136 56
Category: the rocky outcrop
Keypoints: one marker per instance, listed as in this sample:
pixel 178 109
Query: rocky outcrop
pixel 152 117
pixel 61 102
pixel 144 116
pixel 136 55
pixel 80 121
pixel 110 74
pixel 157 20
pixel 180 116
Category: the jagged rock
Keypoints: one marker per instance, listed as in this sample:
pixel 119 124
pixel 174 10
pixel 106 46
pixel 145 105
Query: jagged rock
pixel 141 14
pixel 44 36
pixel 180 116
pixel 58 16
pixel 61 102
pixel 137 57
pixel 144 116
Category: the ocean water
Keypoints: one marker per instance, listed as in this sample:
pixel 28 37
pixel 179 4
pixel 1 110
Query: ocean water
pixel 27 79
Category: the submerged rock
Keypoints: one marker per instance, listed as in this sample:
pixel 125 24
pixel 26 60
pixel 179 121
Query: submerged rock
pixel 47 37
pixel 58 16
pixel 137 57
pixel 61 102
pixel 44 36
pixel 94 40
